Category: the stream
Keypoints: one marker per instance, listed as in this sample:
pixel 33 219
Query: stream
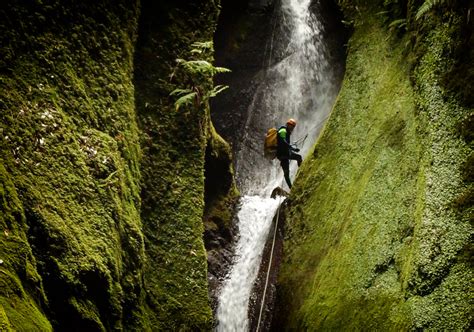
pixel 296 82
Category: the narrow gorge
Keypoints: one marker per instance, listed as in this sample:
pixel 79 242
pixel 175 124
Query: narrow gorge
pixel 124 209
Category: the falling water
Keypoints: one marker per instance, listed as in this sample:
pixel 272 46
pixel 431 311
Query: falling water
pixel 296 83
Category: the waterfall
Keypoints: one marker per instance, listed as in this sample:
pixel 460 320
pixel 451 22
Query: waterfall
pixel 296 83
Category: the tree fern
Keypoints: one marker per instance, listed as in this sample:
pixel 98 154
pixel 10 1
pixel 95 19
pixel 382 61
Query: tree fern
pixel 198 73
pixel 427 6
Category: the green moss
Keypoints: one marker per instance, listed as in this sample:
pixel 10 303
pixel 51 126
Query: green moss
pixel 220 189
pixel 174 147
pixel 4 323
pixel 70 143
pixel 373 235
pixel 21 289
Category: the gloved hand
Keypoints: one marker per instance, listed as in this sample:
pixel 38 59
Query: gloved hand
pixel 296 150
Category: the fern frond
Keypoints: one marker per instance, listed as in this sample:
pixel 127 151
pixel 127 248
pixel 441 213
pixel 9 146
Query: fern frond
pixel 222 70
pixel 427 6
pixel 201 47
pixel 178 92
pixel 202 66
pixel 217 89
pixel 198 74
pixel 185 100
pixel 198 66
pixel 398 23
pixel 209 45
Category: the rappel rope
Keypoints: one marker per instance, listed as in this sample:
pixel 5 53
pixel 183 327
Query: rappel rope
pixel 300 141
pixel 269 263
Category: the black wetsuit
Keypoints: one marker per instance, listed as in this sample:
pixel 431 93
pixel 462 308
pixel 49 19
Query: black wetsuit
pixel 285 153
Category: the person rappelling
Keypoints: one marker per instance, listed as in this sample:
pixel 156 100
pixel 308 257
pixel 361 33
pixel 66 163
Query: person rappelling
pixel 285 151
pixel 277 145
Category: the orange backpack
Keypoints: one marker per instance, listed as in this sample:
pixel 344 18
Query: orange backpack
pixel 271 143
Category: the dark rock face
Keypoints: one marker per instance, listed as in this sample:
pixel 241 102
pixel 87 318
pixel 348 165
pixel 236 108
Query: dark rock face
pixel 254 44
pixel 243 30
pixel 220 199
pixel 243 43
pixel 219 245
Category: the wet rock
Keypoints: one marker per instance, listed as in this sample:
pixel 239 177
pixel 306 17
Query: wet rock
pixel 279 191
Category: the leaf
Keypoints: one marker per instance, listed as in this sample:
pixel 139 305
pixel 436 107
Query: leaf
pixel 217 89
pixel 180 92
pixel 222 70
pixel 347 23
pixel 197 66
pixel 398 23
pixel 185 100
pixel 198 72
pixel 209 45
pixel 427 6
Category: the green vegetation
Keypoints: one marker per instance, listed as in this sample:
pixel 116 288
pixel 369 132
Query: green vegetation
pixel 376 236
pixel 429 5
pixel 70 158
pixel 85 114
pixel 178 148
pixel 105 179
pixel 21 289
pixel 198 73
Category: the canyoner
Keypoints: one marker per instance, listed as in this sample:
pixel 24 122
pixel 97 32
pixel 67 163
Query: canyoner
pixel 278 145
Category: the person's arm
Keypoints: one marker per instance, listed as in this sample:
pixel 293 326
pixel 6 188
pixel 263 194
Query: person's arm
pixel 282 134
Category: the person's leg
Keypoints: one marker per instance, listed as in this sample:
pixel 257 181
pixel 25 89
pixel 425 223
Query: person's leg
pixel 297 157
pixel 285 165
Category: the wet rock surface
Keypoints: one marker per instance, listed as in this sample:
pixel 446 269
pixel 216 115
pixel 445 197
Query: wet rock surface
pixel 264 293
pixel 242 31
pixel 219 244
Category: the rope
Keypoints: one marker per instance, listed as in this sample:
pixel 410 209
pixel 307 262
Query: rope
pixel 303 139
pixel 269 264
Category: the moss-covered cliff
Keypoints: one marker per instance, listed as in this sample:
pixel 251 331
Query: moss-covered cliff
pixel 179 148
pixel 102 181
pixel 70 161
pixel 380 217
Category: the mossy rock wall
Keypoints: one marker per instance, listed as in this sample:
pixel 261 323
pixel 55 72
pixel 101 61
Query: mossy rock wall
pixel 378 231
pixel 70 155
pixel 186 167
pixel 102 181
